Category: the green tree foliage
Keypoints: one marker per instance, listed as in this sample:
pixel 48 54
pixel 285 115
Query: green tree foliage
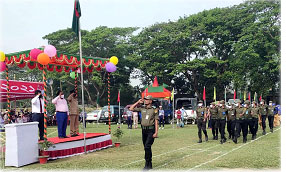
pixel 237 47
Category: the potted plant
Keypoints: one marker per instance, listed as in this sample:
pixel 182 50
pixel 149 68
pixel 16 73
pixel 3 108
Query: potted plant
pixel 118 134
pixel 44 146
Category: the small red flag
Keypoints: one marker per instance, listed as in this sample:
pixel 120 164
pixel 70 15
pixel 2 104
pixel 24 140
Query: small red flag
pixel 234 95
pixel 204 94
pixel 249 98
pixel 118 98
pixel 260 98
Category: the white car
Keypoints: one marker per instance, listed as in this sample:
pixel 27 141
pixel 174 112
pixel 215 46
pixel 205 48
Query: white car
pixel 93 116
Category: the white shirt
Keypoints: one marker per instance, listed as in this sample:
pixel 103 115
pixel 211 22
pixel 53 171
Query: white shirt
pixel 36 105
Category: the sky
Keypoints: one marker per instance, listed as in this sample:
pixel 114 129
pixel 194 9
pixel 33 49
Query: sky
pixel 23 23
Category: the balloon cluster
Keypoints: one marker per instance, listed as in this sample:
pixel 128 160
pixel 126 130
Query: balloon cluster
pixel 111 65
pixel 2 61
pixel 43 57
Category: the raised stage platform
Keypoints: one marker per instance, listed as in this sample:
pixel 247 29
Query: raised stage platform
pixel 67 147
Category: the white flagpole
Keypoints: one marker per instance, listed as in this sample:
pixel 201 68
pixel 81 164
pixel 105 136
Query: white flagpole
pixel 82 92
pixel 173 107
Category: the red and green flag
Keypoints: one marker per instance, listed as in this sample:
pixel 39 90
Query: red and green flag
pixel 76 16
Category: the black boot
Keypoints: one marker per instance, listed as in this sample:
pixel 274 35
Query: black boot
pixel 221 141
pixel 264 132
pixel 252 137
pixel 235 140
pixel 206 138
pixel 271 130
pixel 200 141
pixel 244 140
pixel 216 137
pixel 146 166
pixel 213 137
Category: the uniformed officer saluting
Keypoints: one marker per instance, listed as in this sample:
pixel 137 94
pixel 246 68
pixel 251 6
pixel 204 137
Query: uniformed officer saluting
pixel 201 121
pixel 149 124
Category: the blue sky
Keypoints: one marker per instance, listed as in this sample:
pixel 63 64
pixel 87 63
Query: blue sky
pixel 23 23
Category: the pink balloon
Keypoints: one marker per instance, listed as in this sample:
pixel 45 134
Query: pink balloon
pixel 110 67
pixel 50 50
pixel 2 66
pixel 34 53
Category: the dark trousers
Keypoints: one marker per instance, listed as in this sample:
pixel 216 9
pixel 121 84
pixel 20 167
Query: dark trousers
pixel 148 140
pixel 271 120
pixel 222 128
pixel 161 121
pixel 241 125
pixel 62 118
pixel 201 126
pixel 129 122
pixel 39 117
pixel 231 128
pixel 210 123
pixel 255 125
pixel 214 127
pixel 263 119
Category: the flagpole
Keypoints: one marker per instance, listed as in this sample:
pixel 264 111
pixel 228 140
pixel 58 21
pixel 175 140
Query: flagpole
pixel 119 108
pixel 173 110
pixel 82 92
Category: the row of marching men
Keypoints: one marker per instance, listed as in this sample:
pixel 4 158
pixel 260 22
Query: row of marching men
pixel 237 117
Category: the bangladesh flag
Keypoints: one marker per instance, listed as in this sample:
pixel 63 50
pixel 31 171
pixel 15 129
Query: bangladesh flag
pixel 76 16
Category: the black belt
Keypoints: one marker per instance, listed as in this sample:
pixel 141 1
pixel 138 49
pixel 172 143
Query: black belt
pixel 38 113
pixel 147 127
pixel 62 112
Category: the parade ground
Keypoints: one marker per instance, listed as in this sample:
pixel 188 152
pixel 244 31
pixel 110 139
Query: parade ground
pixel 175 149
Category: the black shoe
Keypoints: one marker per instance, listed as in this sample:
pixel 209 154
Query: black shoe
pixel 235 140
pixel 207 138
pixel 264 132
pixel 66 137
pixel 216 137
pixel 213 137
pixel 42 139
pixel 244 140
pixel 221 141
pixel 252 137
pixel 271 130
pixel 74 135
pixel 61 137
pixel 200 141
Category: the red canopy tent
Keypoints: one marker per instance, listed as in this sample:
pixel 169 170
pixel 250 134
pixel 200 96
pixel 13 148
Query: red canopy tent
pixel 156 91
pixel 19 90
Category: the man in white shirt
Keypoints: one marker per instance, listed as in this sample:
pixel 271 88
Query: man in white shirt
pixel 38 112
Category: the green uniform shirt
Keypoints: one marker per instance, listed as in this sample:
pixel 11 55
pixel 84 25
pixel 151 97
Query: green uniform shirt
pixel 255 112
pixel 270 111
pixel 239 110
pixel 247 113
pixel 214 113
pixel 200 113
pixel 149 115
pixel 222 113
pixel 263 110
pixel 231 114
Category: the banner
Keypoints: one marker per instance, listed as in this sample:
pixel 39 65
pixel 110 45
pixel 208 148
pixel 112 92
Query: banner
pixel 19 89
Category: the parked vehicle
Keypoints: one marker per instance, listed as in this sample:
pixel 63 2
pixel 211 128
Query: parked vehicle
pixel 93 116
pixel 190 106
pixel 114 113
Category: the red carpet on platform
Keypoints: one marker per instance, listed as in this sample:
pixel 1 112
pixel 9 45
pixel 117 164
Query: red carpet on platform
pixel 71 146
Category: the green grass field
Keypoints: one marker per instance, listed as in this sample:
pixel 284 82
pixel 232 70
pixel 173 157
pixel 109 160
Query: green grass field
pixel 175 149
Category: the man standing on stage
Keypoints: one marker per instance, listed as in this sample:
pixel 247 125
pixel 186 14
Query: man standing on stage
pixel 149 124
pixel 74 113
pixel 62 110
pixel 38 112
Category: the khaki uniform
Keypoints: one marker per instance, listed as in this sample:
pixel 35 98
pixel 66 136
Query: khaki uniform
pixel 74 115
pixel 201 123
pixel 214 122
pixel 270 113
pixel 222 113
pixel 240 124
pixel 254 123
pixel 263 113
pixel 149 115
pixel 231 123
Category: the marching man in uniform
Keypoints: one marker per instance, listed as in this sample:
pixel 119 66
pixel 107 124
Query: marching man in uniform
pixel 263 115
pixel 149 124
pixel 201 121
